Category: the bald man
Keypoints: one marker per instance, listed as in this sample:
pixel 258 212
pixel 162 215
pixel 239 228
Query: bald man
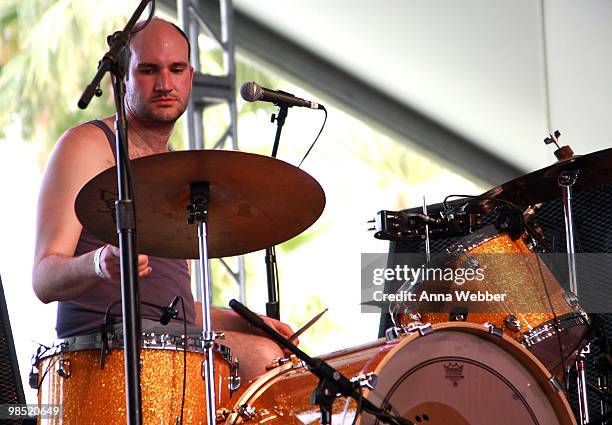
pixel 78 270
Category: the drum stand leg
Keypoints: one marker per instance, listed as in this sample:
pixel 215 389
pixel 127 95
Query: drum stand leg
pixel 567 179
pixel 198 212
pixel 583 402
pixel 602 383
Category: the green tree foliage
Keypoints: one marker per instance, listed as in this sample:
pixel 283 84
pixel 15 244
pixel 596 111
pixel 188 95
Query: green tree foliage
pixel 54 47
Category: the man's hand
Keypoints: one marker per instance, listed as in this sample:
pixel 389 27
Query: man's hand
pixel 111 266
pixel 280 327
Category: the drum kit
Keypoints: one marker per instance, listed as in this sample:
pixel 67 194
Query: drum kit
pixel 500 367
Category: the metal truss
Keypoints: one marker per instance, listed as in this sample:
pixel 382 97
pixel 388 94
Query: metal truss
pixel 212 90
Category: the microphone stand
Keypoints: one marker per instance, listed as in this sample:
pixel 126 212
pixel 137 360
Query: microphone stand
pixel 125 217
pixel 331 382
pixel 273 304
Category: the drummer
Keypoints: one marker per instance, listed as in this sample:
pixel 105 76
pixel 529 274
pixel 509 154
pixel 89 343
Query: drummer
pixel 78 270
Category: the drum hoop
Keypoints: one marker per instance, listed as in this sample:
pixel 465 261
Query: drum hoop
pixel 195 344
pixel 471 241
pixel 257 386
pixel 548 329
pixel 467 327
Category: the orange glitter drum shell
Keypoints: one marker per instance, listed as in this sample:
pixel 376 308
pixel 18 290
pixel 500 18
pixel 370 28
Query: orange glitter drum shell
pixel 512 268
pixel 453 373
pixel 90 395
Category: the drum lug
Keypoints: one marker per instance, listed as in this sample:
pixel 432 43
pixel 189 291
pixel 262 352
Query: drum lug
pixel 279 361
pixel 512 322
pixel 494 329
pixel 425 329
pixel 529 242
pixel 392 333
pixel 63 368
pixel 555 383
pixel 365 380
pixel 234 379
pixel 571 300
pixel 222 414
pixel 458 314
pixel 246 412
pixel 209 338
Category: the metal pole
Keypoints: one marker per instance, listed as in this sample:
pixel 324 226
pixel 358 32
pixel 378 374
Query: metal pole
pixel 567 179
pixel 207 334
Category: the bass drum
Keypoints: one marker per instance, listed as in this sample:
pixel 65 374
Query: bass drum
pixel 451 373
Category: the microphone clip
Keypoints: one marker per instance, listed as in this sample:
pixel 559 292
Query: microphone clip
pixel 169 312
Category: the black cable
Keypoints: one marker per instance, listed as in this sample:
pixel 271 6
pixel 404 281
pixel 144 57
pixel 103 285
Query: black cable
pixel 358 411
pixel 38 357
pixel 316 138
pixel 276 280
pixel 478 197
pixel 555 319
pixel 185 339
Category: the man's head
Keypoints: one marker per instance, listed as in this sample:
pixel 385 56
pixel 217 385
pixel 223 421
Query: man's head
pixel 158 74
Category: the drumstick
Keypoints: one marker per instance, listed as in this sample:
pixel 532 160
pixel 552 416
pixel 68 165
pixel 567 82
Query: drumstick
pixel 307 325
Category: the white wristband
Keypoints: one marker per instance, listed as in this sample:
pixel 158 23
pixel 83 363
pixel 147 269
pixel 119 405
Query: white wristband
pixel 96 263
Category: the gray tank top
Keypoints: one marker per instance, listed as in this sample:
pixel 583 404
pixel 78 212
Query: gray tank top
pixel 169 278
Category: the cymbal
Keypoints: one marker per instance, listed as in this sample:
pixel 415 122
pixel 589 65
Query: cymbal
pixel 542 185
pixel 255 202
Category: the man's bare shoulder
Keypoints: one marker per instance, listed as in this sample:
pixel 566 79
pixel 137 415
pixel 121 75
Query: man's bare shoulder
pixel 85 142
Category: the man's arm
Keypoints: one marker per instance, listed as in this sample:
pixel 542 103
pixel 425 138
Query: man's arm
pixel 229 320
pixel 80 154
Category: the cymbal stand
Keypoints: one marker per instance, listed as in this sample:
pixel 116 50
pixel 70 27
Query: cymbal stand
pixel 427 247
pixel 566 181
pixel 198 213
pixel 124 212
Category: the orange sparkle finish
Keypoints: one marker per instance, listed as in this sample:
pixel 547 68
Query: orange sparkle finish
pixel 510 268
pixel 97 396
pixel 498 382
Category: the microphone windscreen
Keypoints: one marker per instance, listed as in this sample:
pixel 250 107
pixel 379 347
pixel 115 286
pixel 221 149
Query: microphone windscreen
pixel 251 92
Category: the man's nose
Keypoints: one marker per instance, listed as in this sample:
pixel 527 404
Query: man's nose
pixel 163 81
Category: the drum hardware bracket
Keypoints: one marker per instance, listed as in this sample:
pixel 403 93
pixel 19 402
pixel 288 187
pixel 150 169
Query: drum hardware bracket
pixel 247 412
pixel 209 338
pixel 198 208
pixel 63 368
pixel 571 299
pixel 106 329
pixel 425 329
pixel 222 414
pixel 234 379
pixel 530 242
pixel 33 378
pixel 512 322
pixel 494 330
pixel 555 383
pixel 365 380
pixel 422 329
pixel 279 361
pixel 458 314
pixel 392 333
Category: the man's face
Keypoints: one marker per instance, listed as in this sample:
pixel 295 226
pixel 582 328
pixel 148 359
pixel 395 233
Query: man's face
pixel 159 83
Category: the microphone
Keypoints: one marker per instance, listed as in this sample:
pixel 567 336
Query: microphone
pixel 252 92
pixel 169 312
